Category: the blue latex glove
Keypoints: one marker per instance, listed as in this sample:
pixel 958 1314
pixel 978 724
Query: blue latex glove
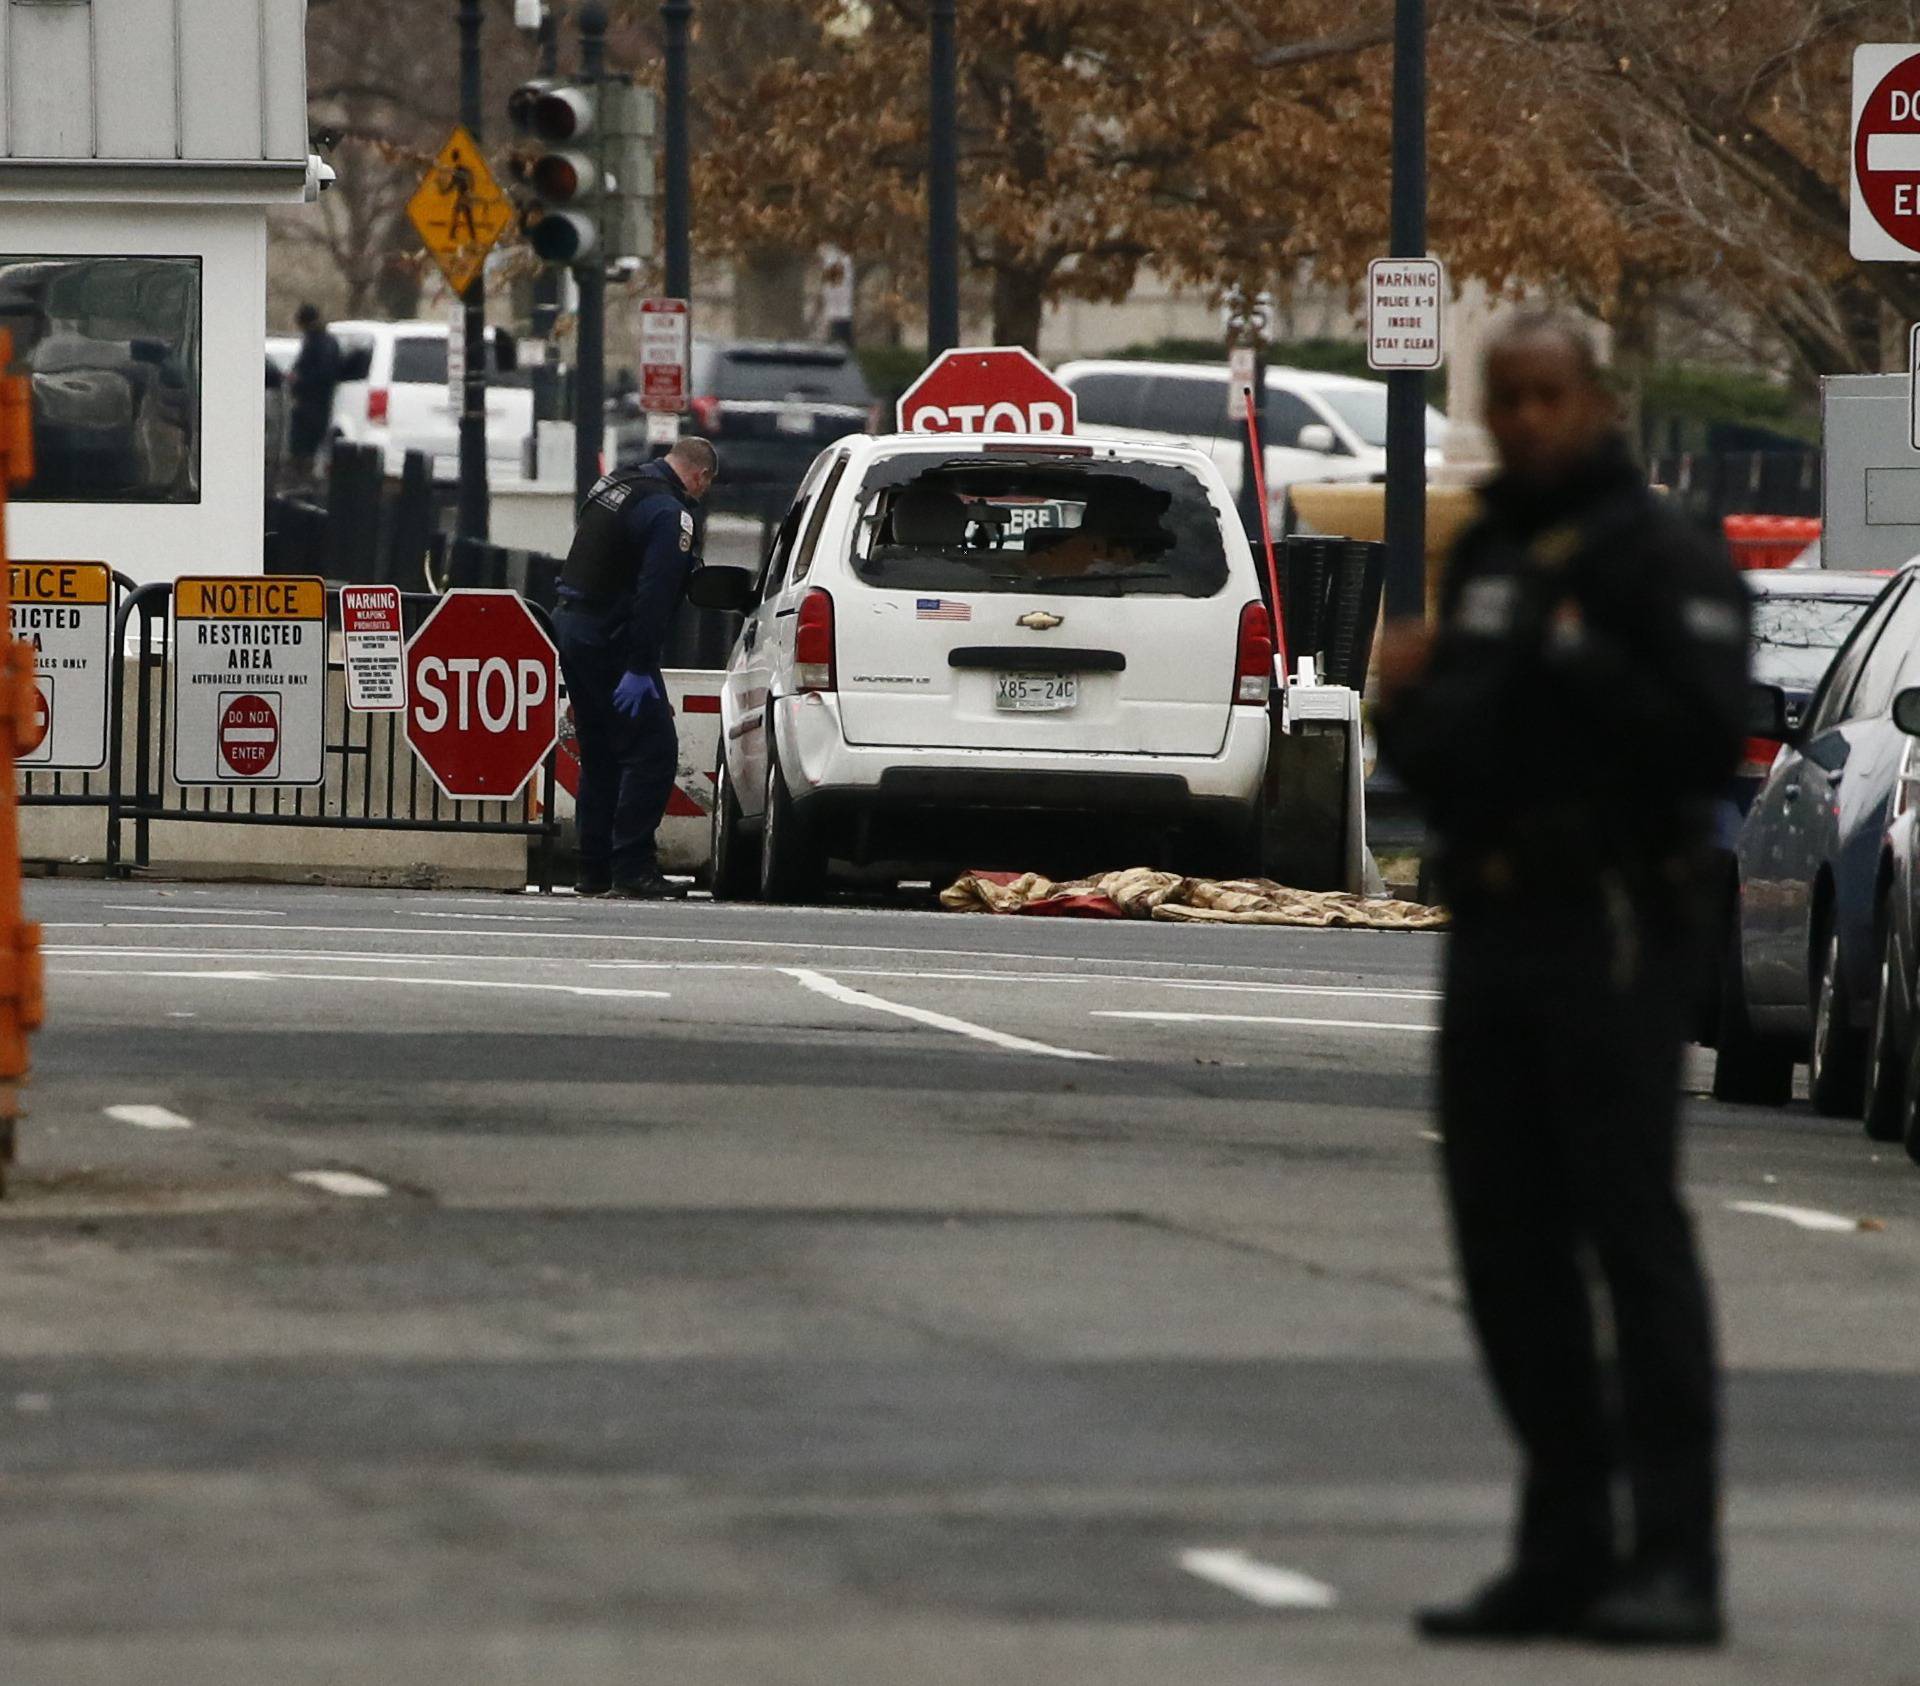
pixel 634 692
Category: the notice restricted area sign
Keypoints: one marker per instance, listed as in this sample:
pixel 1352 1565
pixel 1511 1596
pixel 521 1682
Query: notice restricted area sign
pixel 249 681
pixel 376 648
pixel 65 611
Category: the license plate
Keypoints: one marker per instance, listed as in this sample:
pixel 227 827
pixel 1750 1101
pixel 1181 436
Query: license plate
pixel 1035 693
pixel 795 418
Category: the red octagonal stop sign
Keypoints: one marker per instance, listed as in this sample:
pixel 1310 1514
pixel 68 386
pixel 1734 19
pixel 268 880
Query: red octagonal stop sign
pixel 998 389
pixel 483 695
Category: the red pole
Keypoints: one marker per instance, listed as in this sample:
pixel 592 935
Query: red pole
pixel 20 988
pixel 1266 533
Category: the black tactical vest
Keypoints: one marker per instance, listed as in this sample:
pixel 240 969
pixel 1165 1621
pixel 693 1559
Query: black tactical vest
pixel 604 561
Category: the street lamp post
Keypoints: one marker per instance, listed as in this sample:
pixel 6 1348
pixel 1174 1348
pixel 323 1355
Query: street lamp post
pixel 546 280
pixel 1406 512
pixel 943 186
pixel 590 352
pixel 471 517
pixel 675 17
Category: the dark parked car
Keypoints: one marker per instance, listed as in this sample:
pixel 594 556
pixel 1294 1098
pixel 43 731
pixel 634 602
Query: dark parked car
pixel 1804 942
pixel 771 408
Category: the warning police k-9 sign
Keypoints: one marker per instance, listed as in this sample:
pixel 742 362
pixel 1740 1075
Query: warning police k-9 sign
pixel 249 681
pixel 1885 213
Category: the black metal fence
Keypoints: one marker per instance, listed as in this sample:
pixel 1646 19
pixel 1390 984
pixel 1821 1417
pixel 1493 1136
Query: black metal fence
pixel 1707 486
pixel 372 780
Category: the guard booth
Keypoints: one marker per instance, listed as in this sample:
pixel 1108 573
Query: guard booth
pixel 141 145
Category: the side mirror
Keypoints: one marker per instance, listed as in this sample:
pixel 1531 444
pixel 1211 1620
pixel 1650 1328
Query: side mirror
pixel 1906 710
pixel 717 586
pixel 1767 713
pixel 1317 436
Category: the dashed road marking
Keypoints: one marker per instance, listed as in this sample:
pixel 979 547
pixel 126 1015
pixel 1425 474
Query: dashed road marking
pixel 348 1184
pixel 822 985
pixel 1801 1217
pixel 149 1117
pixel 1259 1018
pixel 1265 1584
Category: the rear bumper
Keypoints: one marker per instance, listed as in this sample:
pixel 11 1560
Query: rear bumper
pixel 825 772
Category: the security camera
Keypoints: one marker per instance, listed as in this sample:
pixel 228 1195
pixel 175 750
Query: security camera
pixel 320 176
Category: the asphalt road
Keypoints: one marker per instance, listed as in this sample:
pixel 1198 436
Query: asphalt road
pixel 471 1290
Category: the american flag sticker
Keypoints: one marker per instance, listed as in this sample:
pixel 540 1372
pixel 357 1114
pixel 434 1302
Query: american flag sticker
pixel 941 609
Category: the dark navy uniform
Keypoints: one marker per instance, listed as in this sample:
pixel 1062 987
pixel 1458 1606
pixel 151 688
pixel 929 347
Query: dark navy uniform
pixel 1582 708
pixel 633 552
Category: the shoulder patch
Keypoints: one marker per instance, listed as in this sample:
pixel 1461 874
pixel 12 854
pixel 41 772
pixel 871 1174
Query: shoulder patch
pixel 1714 622
pixel 686 531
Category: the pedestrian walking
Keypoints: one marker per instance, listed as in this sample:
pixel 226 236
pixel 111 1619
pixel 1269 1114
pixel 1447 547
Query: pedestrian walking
pixel 1566 724
pixel 315 377
pixel 625 576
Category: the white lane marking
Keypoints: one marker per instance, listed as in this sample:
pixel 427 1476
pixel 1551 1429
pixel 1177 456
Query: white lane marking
pixel 507 918
pixel 922 953
pixel 370 977
pixel 149 1117
pixel 1260 1018
pixel 196 912
pixel 939 1021
pixel 1264 1584
pixel 1801 1217
pixel 348 1184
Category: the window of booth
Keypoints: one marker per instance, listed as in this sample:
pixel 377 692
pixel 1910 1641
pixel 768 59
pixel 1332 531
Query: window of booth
pixel 110 347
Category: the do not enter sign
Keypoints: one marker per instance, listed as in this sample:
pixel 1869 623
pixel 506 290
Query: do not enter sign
pixel 483 695
pixel 250 736
pixel 1885 220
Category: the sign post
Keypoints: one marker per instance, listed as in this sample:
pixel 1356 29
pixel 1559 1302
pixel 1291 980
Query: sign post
pixel 993 389
pixel 483 695
pixel 64 612
pixel 375 648
pixel 249 680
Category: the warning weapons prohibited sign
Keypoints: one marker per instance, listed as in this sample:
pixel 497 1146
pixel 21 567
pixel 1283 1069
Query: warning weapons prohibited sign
pixel 65 611
pixel 249 681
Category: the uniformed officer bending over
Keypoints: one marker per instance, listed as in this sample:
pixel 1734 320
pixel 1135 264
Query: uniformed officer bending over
pixel 624 579
pixel 1567 724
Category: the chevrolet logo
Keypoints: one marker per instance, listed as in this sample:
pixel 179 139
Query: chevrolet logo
pixel 1040 621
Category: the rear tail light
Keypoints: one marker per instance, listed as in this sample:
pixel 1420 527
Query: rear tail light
pixel 706 413
pixel 1253 668
pixel 376 404
pixel 813 643
pixel 1757 758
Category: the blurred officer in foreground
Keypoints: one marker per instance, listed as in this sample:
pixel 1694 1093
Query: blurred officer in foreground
pixel 632 555
pixel 1566 724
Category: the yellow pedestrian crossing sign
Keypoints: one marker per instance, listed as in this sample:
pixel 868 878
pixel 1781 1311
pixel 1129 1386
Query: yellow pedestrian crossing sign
pixel 460 210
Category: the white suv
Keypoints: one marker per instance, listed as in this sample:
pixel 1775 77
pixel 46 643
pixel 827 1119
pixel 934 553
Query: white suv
pixel 1319 427
pixel 397 396
pixel 993 651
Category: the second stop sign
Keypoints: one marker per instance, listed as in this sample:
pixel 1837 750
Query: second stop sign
pixel 483 695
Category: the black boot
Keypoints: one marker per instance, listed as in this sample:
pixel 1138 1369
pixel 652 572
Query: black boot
pixel 1525 1603
pixel 648 887
pixel 1659 1604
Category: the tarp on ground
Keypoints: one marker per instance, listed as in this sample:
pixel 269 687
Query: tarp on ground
pixel 1141 893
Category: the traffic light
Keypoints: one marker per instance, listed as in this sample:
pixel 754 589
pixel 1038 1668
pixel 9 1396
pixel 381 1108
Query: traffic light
pixel 588 162
pixel 561 166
